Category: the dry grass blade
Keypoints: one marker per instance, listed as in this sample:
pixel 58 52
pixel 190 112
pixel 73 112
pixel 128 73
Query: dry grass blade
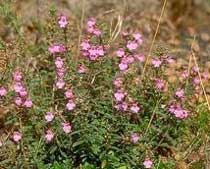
pixel 199 75
pixel 154 37
pixel 117 29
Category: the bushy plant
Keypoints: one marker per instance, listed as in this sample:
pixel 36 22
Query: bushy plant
pixel 111 106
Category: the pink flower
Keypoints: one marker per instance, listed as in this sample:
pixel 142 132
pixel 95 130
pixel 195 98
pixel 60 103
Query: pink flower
pixel 69 94
pixel 70 105
pixel 169 59
pixel 18 86
pixel 93 51
pixel 134 138
pixel 28 103
pixel 56 49
pixel 131 45
pixel 62 21
pixel 66 127
pixel 124 33
pixel 120 52
pixel 61 72
pixel 156 63
pixel 147 163
pixel 60 84
pixel 196 81
pixel 91 22
pixel 127 60
pixel 121 106
pixel 17 76
pixel 93 57
pixel 178 111
pixel 18 101
pixel 119 95
pixel 23 92
pixel 124 106
pixel 100 51
pixel 49 135
pixel 159 84
pixel 81 69
pixel 49 116
pixel 123 66
pixel 1 144
pixel 118 82
pixel 134 108
pixel 90 29
pixel 138 38
pixel 85 45
pixel 17 136
pixel 140 57
pixel 205 75
pixel 3 91
pixel 195 69
pixel 97 32
pixel 59 62
pixel 185 74
pixel 179 93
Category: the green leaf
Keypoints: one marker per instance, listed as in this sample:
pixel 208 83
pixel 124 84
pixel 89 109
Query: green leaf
pixel 123 167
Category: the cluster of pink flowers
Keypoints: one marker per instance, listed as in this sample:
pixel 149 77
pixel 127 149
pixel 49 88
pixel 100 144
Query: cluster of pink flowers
pixel 49 135
pixel 135 41
pixel 127 55
pixel 56 49
pixel 159 84
pixel 91 50
pixel 62 21
pixel 60 73
pixel 60 82
pixel 3 92
pixel 177 110
pixel 193 75
pixel 92 28
pixel 179 94
pixel 184 75
pixel 163 60
pixel 21 99
pixel 69 95
pixel 120 98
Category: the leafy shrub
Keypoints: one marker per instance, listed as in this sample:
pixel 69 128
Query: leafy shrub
pixel 109 107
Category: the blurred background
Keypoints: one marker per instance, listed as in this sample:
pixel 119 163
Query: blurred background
pixel 182 19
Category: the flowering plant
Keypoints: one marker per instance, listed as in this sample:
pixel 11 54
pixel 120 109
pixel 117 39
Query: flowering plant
pixel 112 106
